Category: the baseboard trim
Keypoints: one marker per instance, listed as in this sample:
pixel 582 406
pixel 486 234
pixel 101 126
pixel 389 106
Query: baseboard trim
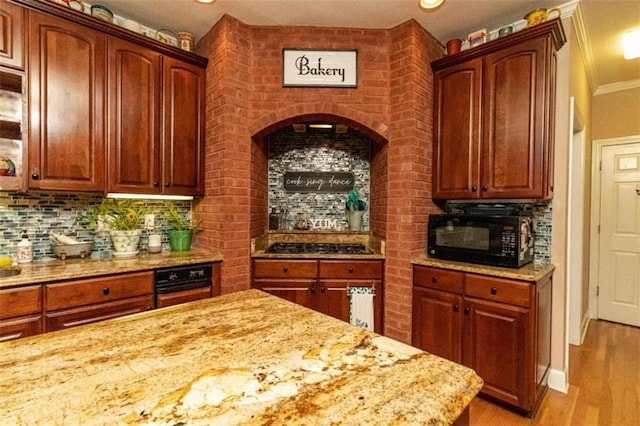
pixel 558 380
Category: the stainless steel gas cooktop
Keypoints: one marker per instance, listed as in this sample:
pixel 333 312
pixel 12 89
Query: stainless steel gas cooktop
pixel 319 248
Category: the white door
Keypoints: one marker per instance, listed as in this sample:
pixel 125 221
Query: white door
pixel 619 269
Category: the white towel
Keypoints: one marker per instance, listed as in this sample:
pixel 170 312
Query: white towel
pixel 361 306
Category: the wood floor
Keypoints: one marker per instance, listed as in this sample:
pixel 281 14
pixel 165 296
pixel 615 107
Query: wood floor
pixel 604 385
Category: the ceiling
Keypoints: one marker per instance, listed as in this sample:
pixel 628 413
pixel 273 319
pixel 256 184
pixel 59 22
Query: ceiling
pixel 601 23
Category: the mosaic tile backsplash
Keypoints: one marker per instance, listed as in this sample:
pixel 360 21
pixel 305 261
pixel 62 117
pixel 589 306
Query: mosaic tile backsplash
pixel 42 213
pixel 317 152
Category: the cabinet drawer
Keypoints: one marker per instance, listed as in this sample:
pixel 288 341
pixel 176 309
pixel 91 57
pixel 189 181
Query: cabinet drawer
pixel 499 290
pixel 285 268
pixel 16 328
pixel 96 290
pixel 20 301
pixel 438 279
pixel 357 269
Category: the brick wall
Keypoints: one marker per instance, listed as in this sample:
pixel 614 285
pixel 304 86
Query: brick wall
pixel 392 105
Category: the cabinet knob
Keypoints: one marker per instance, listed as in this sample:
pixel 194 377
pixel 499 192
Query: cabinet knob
pixel 35 176
pixel 456 308
pixel 474 188
pixel 467 310
pixel 351 270
pixel 167 184
pixel 285 269
pixel 434 279
pixel 106 291
pixel 494 291
pixel 312 289
pixel 322 289
pixel 149 308
pixel 156 183
pixel 485 188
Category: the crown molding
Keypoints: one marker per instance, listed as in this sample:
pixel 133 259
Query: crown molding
pixel 617 87
pixel 584 45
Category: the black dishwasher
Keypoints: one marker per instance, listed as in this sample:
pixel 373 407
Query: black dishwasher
pixel 181 284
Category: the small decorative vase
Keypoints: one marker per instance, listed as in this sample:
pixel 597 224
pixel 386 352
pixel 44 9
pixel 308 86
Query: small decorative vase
pixel 180 240
pixel 125 243
pixel 355 219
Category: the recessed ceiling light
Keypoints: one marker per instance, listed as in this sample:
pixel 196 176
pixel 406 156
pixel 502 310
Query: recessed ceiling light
pixel 631 44
pixel 430 4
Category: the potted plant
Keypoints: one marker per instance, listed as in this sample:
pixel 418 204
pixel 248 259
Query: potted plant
pixel 182 229
pixel 123 218
pixel 355 208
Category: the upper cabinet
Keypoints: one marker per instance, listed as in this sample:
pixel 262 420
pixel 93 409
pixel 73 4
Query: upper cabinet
pixel 493 116
pixel 110 110
pixel 11 35
pixel 134 97
pixel 183 165
pixel 67 89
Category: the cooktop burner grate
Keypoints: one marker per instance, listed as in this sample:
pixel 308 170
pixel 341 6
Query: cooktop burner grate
pixel 319 248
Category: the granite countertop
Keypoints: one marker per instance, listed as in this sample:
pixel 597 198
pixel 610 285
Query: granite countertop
pixel 244 358
pixel 529 272
pixel 56 269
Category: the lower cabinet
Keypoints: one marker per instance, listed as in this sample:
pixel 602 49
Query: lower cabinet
pixel 321 285
pixel 20 312
pixel 501 328
pixel 77 302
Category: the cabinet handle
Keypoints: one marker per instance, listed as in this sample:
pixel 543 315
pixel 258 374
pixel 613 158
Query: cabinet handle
pixel 168 184
pixel 285 269
pixel 35 176
pixel 156 183
pixel 351 270
pixel 494 291
pixel 312 289
pixel 485 188
pixel 106 291
pixel 322 289
pixel 149 308
pixel 474 188
pixel 434 279
pixel 456 308
pixel 467 310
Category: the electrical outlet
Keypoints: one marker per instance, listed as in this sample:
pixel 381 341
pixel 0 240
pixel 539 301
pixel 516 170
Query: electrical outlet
pixel 102 225
pixel 149 220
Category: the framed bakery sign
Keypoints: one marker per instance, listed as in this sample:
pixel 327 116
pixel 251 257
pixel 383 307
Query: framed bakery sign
pixel 319 68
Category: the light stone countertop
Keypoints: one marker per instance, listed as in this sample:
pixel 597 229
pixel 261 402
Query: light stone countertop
pixel 245 358
pixel 56 269
pixel 529 272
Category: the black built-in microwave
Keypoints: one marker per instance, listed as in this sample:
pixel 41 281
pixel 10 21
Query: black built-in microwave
pixel 490 240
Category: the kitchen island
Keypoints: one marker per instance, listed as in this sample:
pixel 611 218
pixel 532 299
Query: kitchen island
pixel 243 358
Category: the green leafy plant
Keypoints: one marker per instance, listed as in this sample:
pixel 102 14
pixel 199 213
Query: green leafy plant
pixel 179 222
pixel 119 215
pixel 354 203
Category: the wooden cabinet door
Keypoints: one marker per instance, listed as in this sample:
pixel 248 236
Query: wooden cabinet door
pixel 66 105
pixel 437 323
pixel 183 89
pixel 333 299
pixel 301 292
pixel 134 119
pixel 457 130
pixel 515 117
pixel 497 345
pixel 11 35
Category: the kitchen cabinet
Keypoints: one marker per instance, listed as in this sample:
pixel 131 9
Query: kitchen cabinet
pixel 493 116
pixel 134 107
pixel 20 312
pixel 11 35
pixel 145 89
pixel 183 94
pixel 499 327
pixel 321 285
pixel 66 75
pixel 77 302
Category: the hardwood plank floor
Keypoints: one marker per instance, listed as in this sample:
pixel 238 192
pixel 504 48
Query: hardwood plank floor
pixel 604 385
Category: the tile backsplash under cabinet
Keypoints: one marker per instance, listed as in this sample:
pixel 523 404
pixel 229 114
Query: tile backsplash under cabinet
pixel 45 212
